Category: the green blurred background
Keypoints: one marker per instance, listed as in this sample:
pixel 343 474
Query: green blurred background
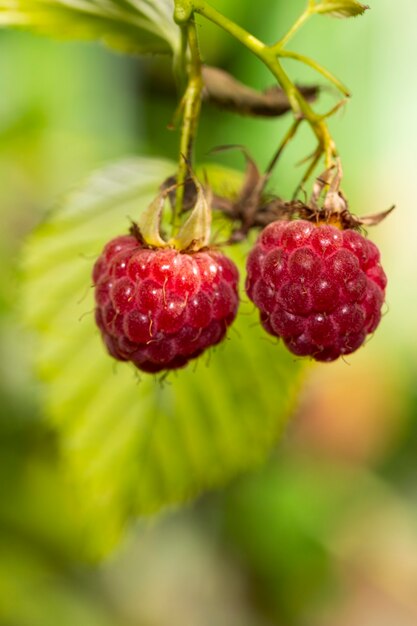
pixel 326 533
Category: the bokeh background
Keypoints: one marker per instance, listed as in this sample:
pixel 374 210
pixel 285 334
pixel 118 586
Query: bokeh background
pixel 326 533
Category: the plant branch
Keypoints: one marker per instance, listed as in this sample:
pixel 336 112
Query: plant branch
pixel 287 138
pixel 318 68
pixel 191 104
pixel 180 61
pixel 257 47
pixel 277 47
pixel 315 158
pixel 269 55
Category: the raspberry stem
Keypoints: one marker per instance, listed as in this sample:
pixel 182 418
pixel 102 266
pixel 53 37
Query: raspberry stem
pixel 190 106
pixel 287 138
pixel 294 28
pixel 269 55
pixel 318 68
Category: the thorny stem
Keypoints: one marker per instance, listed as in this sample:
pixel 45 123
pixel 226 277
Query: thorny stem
pixel 269 55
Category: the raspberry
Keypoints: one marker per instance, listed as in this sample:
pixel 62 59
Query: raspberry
pixel 319 288
pixel 159 308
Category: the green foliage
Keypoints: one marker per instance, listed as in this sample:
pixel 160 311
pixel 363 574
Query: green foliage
pixel 35 593
pixel 130 445
pixel 285 522
pixel 341 8
pixel 132 26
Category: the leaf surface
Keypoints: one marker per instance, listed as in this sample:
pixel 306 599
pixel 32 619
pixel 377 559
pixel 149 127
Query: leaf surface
pixel 130 444
pixel 131 26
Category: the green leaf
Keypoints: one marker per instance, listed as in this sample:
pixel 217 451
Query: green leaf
pixel 131 445
pixel 341 8
pixel 132 26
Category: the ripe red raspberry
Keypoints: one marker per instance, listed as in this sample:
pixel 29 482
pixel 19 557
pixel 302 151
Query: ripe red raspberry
pixel 159 308
pixel 319 288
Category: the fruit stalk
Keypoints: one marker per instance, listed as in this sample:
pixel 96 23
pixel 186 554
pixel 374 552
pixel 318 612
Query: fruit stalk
pixel 191 105
pixel 269 55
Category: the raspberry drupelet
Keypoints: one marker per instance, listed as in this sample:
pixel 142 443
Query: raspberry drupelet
pixel 317 287
pixel 159 308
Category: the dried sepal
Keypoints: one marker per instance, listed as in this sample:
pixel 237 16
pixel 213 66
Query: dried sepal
pixel 245 208
pixel 373 220
pixel 328 203
pixel 320 184
pixel 255 209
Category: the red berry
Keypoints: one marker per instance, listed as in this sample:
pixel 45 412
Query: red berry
pixel 319 288
pixel 160 308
